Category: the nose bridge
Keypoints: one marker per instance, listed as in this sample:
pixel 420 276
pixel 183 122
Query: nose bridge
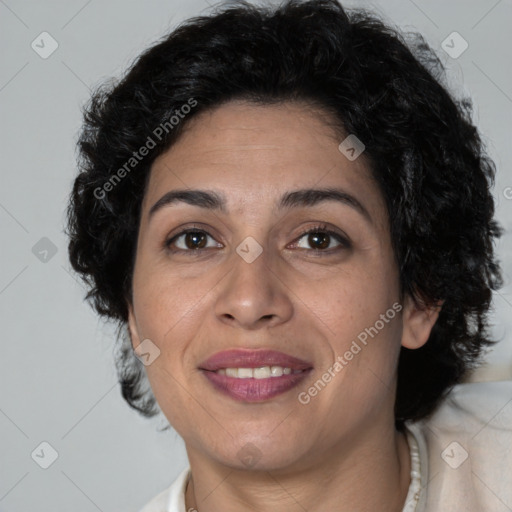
pixel 252 291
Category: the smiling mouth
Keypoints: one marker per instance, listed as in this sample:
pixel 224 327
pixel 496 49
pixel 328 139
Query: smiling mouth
pixel 254 375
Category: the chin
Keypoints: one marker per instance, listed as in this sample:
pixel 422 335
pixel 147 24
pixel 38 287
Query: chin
pixel 259 453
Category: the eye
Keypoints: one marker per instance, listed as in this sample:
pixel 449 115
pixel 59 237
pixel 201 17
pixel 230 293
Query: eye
pixel 189 240
pixel 320 239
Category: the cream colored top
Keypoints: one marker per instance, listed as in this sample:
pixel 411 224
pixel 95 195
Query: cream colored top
pixel 461 457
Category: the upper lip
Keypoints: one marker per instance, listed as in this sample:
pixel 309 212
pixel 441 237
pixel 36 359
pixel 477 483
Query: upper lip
pixel 247 358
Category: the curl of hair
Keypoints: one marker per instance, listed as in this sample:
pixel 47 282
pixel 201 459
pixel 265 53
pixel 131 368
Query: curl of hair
pixel 421 145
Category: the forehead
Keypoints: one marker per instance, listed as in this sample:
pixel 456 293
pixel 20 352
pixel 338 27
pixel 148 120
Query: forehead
pixel 255 153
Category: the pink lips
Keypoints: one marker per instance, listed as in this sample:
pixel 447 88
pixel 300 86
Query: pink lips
pixel 250 389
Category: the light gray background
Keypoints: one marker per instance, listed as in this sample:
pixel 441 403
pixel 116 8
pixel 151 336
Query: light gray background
pixel 57 377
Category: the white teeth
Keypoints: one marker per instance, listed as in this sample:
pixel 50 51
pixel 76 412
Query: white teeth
pixel 231 372
pixel 263 372
pixel 245 373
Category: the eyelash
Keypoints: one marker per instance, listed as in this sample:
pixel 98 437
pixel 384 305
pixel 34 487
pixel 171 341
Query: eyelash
pixel 322 228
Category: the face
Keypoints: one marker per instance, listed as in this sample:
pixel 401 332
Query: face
pixel 249 278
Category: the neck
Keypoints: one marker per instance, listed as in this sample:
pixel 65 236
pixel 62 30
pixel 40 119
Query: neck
pixel 369 475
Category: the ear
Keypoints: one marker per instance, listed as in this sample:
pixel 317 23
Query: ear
pixel 418 322
pixel 132 327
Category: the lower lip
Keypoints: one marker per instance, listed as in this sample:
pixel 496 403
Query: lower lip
pixel 254 390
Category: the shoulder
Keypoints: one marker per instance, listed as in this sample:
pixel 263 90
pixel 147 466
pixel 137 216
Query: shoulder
pixel 468 445
pixel 171 499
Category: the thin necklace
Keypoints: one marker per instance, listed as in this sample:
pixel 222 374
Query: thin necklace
pixel 192 506
pixel 413 495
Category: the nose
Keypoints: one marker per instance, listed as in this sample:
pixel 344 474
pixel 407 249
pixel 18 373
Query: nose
pixel 253 295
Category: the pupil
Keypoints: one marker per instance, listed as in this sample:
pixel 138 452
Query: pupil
pixel 193 237
pixel 315 237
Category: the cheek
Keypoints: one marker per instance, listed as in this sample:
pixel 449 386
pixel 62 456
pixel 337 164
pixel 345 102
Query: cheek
pixel 351 298
pixel 169 311
pixel 356 308
pixel 163 298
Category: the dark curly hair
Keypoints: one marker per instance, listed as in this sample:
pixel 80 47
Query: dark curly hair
pixel 386 87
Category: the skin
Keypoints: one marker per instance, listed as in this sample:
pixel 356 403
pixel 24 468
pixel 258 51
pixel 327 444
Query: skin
pixel 324 455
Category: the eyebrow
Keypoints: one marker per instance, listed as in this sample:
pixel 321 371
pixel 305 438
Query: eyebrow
pixel 211 200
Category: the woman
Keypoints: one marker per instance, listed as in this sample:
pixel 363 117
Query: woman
pixel 290 218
